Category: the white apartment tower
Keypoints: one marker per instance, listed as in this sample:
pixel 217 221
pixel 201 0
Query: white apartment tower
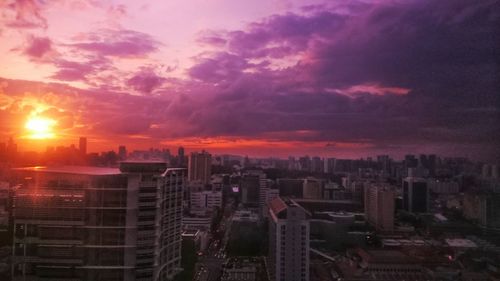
pixel 288 258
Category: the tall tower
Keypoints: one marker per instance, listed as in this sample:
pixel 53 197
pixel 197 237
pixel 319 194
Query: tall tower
pixel 200 167
pixel 379 206
pixel 180 155
pixel 415 195
pixel 288 241
pixel 83 145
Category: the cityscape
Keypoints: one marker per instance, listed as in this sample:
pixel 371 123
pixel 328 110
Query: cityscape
pixel 265 140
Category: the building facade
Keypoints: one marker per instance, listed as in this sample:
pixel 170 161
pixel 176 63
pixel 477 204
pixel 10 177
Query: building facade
pixel 288 258
pixel 88 223
pixel 415 195
pixel 379 207
pixel 200 167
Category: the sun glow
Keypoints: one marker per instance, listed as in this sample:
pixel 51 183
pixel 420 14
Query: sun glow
pixel 40 128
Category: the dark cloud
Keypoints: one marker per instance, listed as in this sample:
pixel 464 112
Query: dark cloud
pixel 397 73
pixel 68 70
pixel 145 81
pixel 220 67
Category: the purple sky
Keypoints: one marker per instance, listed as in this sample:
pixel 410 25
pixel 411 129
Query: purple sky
pixel 261 77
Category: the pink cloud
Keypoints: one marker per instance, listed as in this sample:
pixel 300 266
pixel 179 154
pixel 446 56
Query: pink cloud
pixel 145 81
pixel 373 89
pixel 38 47
pixel 116 42
pixel 23 14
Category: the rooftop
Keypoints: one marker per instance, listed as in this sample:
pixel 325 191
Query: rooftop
pixel 77 170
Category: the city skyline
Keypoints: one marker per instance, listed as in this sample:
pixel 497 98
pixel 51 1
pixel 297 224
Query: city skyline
pixel 261 78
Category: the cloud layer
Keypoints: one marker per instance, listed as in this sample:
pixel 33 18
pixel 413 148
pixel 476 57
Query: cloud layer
pixel 383 76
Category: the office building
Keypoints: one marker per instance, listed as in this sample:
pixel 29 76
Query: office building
pixel 250 189
pixel 200 167
pixel 88 223
pixel 379 206
pixel 415 195
pixel 288 258
pixel 203 202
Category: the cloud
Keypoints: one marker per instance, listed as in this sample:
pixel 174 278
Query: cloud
pixel 116 43
pixel 23 14
pixel 72 70
pixel 219 67
pixel 375 76
pixel 145 81
pixel 37 47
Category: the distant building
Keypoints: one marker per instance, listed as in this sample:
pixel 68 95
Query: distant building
pixel 317 165
pixel 484 208
pixel 5 192
pixel 380 207
pixel 288 258
pixel 312 188
pixel 381 265
pixel 200 167
pixel 239 271
pixel 291 187
pixel 181 157
pixel 415 195
pixel 88 223
pixel 250 189
pixel 122 152
pixel 202 202
pixel 443 187
pixel 83 146
pixel 196 222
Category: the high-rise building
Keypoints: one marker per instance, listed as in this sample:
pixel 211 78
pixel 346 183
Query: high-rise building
pixel 180 156
pixel 250 189
pixel 122 152
pixel 317 165
pixel 82 147
pixel 288 258
pixel 415 195
pixel 200 167
pixel 483 207
pixel 379 206
pixel 88 223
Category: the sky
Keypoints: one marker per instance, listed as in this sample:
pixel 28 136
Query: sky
pixel 336 78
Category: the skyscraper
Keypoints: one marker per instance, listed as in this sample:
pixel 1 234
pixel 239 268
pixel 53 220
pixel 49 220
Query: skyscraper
pixel 82 147
pixel 180 155
pixel 200 167
pixel 415 195
pixel 122 152
pixel 379 206
pixel 288 258
pixel 87 223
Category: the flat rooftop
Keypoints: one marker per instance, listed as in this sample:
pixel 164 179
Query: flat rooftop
pixel 76 170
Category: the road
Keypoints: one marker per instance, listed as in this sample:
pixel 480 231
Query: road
pixel 210 264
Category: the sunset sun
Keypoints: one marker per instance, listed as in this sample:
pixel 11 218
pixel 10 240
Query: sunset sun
pixel 40 128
